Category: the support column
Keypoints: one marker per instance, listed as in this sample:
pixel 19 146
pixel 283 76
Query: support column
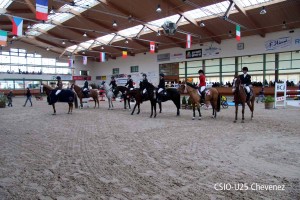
pixel 203 66
pixel 185 71
pixel 236 72
pixel 276 67
pixel 264 68
pixel 220 71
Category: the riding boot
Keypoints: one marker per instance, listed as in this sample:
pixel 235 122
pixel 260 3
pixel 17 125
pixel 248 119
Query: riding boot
pixel 248 97
pixel 202 97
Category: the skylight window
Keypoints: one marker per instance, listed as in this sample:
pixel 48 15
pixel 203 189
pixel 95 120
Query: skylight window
pixel 130 32
pixel 106 39
pixel 5 3
pixel 252 2
pixel 160 22
pixel 87 44
pixel 72 48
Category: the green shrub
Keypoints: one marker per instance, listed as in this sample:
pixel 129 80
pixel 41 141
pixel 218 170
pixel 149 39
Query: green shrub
pixel 269 99
pixel 183 100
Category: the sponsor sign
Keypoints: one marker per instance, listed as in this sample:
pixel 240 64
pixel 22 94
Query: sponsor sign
pixel 278 43
pixel 81 78
pixel 197 53
pixel 163 57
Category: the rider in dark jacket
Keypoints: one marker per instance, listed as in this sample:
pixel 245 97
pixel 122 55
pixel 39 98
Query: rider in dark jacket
pixel 246 81
pixel 161 87
pixel 113 83
pixel 85 89
pixel 129 83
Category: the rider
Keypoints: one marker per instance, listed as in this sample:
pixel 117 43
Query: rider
pixel 202 84
pixel 85 89
pixel 246 81
pixel 161 87
pixel 113 83
pixel 59 85
pixel 145 84
pixel 129 82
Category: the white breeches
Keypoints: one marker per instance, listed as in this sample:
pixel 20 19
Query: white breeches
pixel 160 90
pixel 57 92
pixel 85 89
pixel 144 91
pixel 202 88
pixel 247 89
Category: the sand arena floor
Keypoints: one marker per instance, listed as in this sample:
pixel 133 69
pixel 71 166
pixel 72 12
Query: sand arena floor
pixel 109 154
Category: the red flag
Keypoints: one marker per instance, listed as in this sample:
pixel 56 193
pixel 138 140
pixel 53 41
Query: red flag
pixel 188 41
pixel 152 47
pixel 124 54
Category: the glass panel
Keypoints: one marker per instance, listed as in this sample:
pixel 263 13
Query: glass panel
pixel 19 85
pixel 228 68
pixel 295 55
pixel 285 64
pixel 4 59
pixel 285 56
pixel 212 62
pixel 296 64
pixel 6 85
pixel 211 69
pixel 252 59
pixel 4 68
pixel 270 57
pixel 228 61
pixel 270 66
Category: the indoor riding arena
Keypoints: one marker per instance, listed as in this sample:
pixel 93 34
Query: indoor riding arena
pixel 81 84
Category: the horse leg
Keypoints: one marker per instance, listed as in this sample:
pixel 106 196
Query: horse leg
pixel 125 103
pixel 198 108
pixel 134 108
pixel 193 105
pixel 138 108
pixel 81 106
pixel 243 112
pixel 236 111
pixel 159 104
pixel 154 104
pixel 128 101
pixel 95 102
pixel 53 105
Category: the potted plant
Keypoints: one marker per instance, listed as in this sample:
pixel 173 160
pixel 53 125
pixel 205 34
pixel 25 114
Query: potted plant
pixel 269 102
pixel 183 103
pixel 3 100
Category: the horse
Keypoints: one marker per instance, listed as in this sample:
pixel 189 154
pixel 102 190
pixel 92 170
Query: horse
pixel 109 94
pixel 67 96
pixel 93 93
pixel 212 96
pixel 139 98
pixel 171 94
pixel 124 90
pixel 240 97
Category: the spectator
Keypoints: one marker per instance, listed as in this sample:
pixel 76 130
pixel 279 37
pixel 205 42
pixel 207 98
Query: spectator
pixel 28 95
pixel 9 98
pixel 261 95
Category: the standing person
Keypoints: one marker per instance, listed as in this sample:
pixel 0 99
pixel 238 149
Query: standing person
pixel 113 83
pixel 28 95
pixel 85 89
pixel 129 83
pixel 246 81
pixel 9 98
pixel 59 85
pixel 202 84
pixel 261 95
pixel 161 87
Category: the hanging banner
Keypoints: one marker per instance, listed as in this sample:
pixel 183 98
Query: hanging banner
pixel 152 47
pixel 279 43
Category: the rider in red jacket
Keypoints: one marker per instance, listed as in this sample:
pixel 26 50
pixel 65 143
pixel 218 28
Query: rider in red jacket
pixel 202 83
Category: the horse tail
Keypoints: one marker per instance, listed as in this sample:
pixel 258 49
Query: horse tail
pixel 178 100
pixel 218 103
pixel 75 100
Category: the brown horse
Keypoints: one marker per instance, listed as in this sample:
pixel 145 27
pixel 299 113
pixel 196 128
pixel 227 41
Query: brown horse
pixel 67 96
pixel 93 93
pixel 212 96
pixel 240 97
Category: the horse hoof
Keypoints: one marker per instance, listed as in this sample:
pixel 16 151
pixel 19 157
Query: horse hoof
pixel 242 121
pixel 54 114
pixel 193 118
pixel 199 118
pixel 234 121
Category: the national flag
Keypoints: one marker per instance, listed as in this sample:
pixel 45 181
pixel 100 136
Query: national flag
pixel 102 57
pixel 42 9
pixel 3 38
pixel 84 60
pixel 152 47
pixel 124 54
pixel 238 33
pixel 17 26
pixel 188 41
pixel 71 63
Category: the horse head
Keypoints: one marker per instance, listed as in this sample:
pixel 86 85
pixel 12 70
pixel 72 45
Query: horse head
pixel 182 88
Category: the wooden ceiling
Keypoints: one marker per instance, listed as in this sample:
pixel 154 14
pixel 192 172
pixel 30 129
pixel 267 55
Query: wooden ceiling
pixel 97 22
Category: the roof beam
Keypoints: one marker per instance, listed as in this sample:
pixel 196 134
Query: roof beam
pixel 241 9
pixel 30 41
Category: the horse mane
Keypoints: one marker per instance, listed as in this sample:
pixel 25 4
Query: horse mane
pixel 47 86
pixel 191 85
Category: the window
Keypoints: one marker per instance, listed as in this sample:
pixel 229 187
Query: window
pixel 84 72
pixel 115 71
pixel 134 69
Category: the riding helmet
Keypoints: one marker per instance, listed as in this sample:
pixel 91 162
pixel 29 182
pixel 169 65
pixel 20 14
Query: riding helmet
pixel 162 75
pixel 245 68
pixel 129 76
pixel 112 77
pixel 200 71
pixel 145 75
pixel 85 78
pixel 58 78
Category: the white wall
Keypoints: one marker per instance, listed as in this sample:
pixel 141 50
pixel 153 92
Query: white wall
pixel 228 48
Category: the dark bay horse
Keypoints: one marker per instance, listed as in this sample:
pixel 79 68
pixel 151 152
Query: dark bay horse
pixel 240 97
pixel 124 90
pixel 212 97
pixel 93 93
pixel 136 93
pixel 67 96
pixel 171 94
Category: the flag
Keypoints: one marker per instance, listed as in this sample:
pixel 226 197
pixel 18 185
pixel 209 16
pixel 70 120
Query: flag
pixel 3 38
pixel 124 54
pixel 188 41
pixel 102 57
pixel 71 63
pixel 17 26
pixel 42 9
pixel 238 33
pixel 84 60
pixel 152 47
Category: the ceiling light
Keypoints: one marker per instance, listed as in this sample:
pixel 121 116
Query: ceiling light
pixel 115 23
pixel 52 12
pixel 72 3
pixel 102 47
pixel 158 9
pixel 126 41
pixel 47 49
pixel 229 34
pixel 202 24
pixel 63 42
pixel 29 26
pixel 263 10
pixel 158 33
pixel 84 35
pixel 14 37
pixel 83 52
pixel 283 25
